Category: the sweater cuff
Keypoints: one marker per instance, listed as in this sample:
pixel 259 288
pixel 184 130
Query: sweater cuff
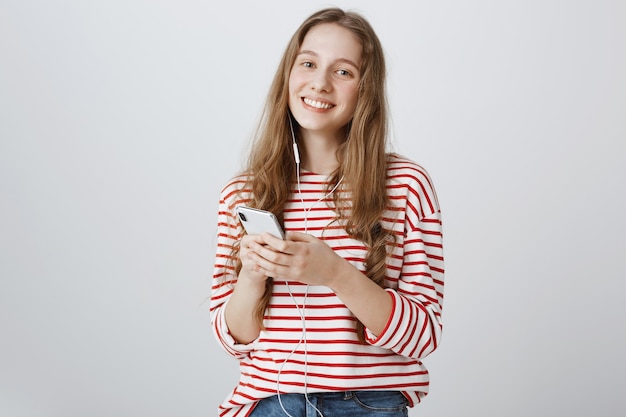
pixel 386 336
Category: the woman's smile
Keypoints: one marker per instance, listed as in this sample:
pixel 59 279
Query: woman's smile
pixel 317 104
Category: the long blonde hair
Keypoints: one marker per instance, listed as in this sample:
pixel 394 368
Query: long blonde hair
pixel 362 156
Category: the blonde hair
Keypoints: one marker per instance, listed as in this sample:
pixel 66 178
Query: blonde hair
pixel 362 156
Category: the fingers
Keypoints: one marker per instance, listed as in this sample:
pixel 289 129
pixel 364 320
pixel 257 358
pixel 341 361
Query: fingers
pixel 267 267
pixel 286 259
pixel 266 260
pixel 266 252
pixel 248 264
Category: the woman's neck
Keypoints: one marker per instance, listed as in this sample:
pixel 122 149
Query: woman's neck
pixel 320 154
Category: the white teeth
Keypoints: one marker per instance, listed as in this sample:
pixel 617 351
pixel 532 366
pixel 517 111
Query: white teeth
pixel 317 104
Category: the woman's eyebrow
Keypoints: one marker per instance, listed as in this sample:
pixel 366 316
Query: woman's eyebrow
pixel 315 54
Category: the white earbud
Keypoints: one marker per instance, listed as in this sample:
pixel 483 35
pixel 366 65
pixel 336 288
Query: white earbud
pixel 295 152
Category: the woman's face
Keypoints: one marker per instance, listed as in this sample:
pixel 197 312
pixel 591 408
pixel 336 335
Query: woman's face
pixel 324 80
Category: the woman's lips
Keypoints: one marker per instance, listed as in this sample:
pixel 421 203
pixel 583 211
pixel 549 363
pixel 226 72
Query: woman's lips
pixel 321 105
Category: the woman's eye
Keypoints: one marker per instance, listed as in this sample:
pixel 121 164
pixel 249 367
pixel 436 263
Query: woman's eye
pixel 343 72
pixel 307 64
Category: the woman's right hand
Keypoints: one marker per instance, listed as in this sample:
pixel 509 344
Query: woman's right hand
pixel 249 268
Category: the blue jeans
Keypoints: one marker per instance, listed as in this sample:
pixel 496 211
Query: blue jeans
pixel 335 404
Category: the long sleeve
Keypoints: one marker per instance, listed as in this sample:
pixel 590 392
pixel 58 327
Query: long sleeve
pixel 229 232
pixel 414 327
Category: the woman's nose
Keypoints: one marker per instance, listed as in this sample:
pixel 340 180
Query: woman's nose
pixel 320 82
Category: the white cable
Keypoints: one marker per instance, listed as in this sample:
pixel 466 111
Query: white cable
pixel 301 311
pixel 306 353
pixel 302 338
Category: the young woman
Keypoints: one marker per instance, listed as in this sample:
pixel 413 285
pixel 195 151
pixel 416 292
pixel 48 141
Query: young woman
pixel 335 319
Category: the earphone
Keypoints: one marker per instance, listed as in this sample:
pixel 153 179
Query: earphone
pixel 296 154
pixel 300 310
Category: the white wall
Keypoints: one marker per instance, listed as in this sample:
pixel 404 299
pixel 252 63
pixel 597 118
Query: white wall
pixel 120 121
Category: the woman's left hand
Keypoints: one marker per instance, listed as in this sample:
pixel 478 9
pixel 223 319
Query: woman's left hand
pixel 300 257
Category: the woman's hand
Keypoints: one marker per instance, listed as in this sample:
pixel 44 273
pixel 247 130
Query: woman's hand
pixel 300 257
pixel 305 258
pixel 249 268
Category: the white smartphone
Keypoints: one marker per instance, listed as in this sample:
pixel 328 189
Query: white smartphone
pixel 257 221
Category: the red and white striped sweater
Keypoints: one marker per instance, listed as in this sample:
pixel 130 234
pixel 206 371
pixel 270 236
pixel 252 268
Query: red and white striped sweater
pixel 331 358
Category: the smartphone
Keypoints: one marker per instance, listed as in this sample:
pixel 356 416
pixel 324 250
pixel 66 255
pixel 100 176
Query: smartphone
pixel 257 221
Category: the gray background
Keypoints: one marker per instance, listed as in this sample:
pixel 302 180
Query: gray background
pixel 121 120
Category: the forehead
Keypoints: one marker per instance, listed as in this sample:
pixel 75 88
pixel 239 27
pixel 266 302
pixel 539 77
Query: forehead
pixel 333 42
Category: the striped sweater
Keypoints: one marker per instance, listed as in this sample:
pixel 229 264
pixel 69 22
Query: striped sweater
pixel 313 346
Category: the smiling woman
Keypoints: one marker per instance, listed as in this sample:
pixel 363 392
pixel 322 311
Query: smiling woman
pixel 324 84
pixel 334 319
